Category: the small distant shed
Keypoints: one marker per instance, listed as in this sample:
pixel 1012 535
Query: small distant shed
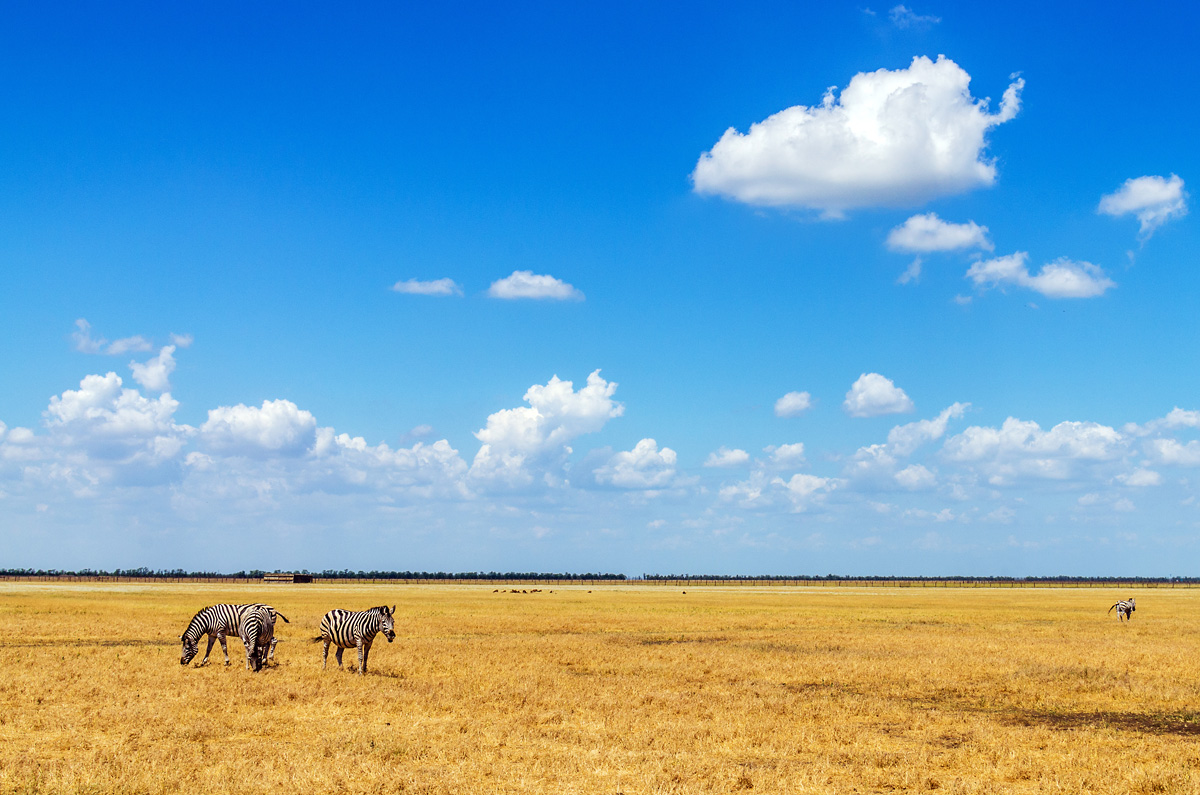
pixel 288 578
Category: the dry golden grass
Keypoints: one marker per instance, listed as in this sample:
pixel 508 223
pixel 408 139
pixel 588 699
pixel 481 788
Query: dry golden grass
pixel 621 690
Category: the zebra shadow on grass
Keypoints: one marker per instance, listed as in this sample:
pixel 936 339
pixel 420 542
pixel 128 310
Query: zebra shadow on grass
pixel 1177 723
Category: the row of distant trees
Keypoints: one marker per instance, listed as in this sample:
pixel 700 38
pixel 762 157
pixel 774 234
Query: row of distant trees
pixel 897 578
pixel 468 576
pixel 327 574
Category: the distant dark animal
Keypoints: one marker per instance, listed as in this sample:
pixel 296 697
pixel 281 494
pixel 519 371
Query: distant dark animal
pixel 258 635
pixel 1124 609
pixel 219 621
pixel 356 629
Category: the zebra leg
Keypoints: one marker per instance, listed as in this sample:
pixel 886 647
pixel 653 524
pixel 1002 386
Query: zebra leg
pixel 224 648
pixel 211 640
pixel 325 655
pixel 339 656
pixel 366 652
pixel 361 659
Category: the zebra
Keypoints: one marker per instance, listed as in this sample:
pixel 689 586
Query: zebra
pixel 217 621
pixel 258 635
pixel 1124 608
pixel 347 628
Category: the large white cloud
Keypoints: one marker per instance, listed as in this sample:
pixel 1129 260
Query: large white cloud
pixel 540 432
pixel 643 467
pixel 115 423
pixel 1019 449
pixel 527 284
pixel 892 138
pixel 278 427
pixel 1153 200
pixel 1062 278
pixel 1172 452
pixel 873 394
pixel 928 233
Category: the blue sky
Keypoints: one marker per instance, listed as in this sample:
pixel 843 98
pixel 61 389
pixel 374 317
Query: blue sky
pixel 634 288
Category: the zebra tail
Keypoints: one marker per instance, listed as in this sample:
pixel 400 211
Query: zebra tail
pixel 1111 608
pixel 317 639
pixel 281 615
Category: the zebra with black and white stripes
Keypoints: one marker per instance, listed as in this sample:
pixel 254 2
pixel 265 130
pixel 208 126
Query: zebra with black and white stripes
pixel 349 628
pixel 219 621
pixel 258 635
pixel 1124 609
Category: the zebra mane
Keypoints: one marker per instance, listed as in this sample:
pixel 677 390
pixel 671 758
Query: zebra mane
pixel 196 624
pixel 382 609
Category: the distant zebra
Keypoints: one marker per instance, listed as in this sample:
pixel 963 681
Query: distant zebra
pixel 1124 609
pixel 218 621
pixel 258 635
pixel 347 628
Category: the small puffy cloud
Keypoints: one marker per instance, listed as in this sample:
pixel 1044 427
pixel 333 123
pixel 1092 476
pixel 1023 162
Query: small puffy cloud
pixel 182 340
pixel 873 395
pixel 793 404
pixel 799 493
pixel 1140 478
pixel 916 478
pixel 1062 278
pixel 724 457
pixel 1176 418
pixel 434 287
pixel 892 138
pixel 278 427
pixel 912 273
pixel 643 467
pixel 155 374
pixel 540 432
pixel 785 456
pixel 86 343
pixel 527 284
pixel 1153 200
pixel 903 440
pixel 928 233
pixel 905 18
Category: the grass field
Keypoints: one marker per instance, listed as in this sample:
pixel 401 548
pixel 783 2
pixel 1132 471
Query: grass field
pixel 623 689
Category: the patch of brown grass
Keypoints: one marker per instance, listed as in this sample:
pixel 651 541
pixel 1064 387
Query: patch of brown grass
pixel 623 689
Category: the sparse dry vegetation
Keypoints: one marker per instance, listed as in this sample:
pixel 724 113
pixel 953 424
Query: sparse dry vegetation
pixel 624 689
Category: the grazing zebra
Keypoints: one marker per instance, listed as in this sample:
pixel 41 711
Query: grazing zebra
pixel 217 621
pixel 1124 609
pixel 347 628
pixel 258 635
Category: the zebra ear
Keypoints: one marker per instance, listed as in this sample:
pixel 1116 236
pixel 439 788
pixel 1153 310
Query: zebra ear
pixel 392 611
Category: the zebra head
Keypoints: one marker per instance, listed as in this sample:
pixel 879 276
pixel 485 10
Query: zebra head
pixel 190 648
pixel 387 624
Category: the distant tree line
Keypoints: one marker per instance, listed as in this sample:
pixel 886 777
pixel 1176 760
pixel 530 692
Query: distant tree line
pixel 327 574
pixel 897 578
pixel 469 576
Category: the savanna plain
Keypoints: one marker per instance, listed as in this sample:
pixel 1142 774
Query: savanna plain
pixel 608 689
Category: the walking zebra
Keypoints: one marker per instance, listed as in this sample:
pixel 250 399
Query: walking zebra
pixel 258 635
pixel 347 628
pixel 217 621
pixel 1124 609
